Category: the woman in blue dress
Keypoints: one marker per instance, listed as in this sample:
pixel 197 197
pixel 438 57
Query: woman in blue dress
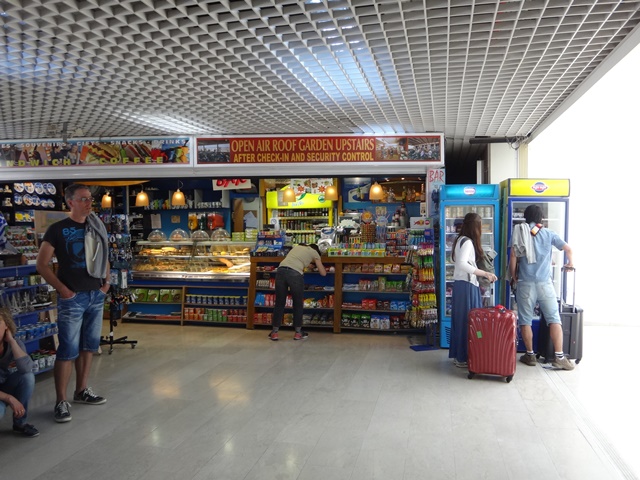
pixel 466 291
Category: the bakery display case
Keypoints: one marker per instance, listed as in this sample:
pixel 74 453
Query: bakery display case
pixel 192 260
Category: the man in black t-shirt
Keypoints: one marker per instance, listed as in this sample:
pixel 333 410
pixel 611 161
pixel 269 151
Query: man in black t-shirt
pixel 80 301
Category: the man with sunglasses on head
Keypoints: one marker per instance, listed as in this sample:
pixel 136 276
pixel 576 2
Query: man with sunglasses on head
pixel 81 296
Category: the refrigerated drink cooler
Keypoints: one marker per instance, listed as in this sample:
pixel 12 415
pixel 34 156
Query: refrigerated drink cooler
pixel 553 197
pixel 455 202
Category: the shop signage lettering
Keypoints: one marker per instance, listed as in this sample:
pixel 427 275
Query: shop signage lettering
pixel 319 149
pixel 230 183
pixel 95 152
pixel 67 162
pixel 436 175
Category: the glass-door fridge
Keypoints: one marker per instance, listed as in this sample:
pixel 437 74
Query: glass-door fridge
pixel 553 197
pixel 455 202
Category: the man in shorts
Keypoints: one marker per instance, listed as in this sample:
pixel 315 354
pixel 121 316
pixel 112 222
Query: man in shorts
pixel 80 301
pixel 530 269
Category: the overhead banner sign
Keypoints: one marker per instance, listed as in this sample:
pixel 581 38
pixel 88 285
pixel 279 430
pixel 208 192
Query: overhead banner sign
pixel 264 150
pixel 89 152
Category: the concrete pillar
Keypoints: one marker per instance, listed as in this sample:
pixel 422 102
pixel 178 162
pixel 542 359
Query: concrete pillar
pixel 505 161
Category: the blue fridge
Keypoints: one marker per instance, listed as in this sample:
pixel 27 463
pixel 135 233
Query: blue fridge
pixel 455 202
pixel 516 195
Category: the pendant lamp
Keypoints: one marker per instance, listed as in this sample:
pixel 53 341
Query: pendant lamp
pixel 289 195
pixel 375 192
pixel 142 199
pixel 178 197
pixel 106 200
pixel 331 193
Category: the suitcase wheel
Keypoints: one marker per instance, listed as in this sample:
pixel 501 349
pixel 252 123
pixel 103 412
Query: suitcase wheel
pixel 470 375
pixel 509 378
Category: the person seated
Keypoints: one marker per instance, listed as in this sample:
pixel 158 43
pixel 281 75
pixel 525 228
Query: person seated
pixel 16 384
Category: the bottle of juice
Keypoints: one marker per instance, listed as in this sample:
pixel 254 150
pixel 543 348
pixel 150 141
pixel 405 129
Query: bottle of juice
pixel 192 221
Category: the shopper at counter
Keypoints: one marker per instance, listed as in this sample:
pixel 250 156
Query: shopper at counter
pixel 290 279
pixel 16 386
pixel 466 290
pixel 81 297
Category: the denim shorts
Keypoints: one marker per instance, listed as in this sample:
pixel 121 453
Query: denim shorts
pixel 530 293
pixel 80 323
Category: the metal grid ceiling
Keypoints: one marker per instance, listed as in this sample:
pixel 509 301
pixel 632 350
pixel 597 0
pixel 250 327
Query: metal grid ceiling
pixel 165 67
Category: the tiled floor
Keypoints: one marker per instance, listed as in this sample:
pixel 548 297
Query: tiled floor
pixel 226 403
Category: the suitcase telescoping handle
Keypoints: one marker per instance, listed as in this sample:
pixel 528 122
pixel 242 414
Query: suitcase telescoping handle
pixel 566 269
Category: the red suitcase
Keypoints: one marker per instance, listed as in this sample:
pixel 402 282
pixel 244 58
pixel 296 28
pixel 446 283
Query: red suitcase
pixel 492 342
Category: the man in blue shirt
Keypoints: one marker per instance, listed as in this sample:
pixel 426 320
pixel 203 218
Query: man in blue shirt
pixel 530 267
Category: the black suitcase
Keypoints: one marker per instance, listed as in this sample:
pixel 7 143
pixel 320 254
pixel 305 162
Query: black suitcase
pixel 572 330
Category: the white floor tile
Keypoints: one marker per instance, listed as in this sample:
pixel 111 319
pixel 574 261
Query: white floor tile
pixel 198 403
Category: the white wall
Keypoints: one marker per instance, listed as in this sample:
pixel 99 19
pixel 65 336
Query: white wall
pixel 595 144
pixel 503 162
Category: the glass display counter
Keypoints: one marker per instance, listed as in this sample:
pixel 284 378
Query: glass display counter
pixel 192 260
pixel 190 282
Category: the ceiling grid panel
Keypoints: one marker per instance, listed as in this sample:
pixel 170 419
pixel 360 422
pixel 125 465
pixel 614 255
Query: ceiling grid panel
pixel 165 67
pixel 563 89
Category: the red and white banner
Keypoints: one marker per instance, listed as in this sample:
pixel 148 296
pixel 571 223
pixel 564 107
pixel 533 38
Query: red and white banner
pixel 257 150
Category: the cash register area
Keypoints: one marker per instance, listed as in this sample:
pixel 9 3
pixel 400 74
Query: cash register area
pixel 226 403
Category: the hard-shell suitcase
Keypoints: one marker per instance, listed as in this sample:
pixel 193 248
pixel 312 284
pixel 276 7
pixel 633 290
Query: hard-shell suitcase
pixel 492 342
pixel 572 330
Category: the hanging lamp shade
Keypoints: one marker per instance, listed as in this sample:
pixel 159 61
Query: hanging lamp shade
pixel 142 199
pixel 331 193
pixel 375 192
pixel 178 199
pixel 289 195
pixel 107 201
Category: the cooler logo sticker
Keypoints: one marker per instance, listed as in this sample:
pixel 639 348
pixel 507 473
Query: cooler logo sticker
pixel 469 191
pixel 539 187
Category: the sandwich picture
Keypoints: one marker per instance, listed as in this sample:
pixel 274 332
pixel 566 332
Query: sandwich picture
pixel 136 150
pixel 95 153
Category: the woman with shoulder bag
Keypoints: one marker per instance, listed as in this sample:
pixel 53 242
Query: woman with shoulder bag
pixel 466 291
